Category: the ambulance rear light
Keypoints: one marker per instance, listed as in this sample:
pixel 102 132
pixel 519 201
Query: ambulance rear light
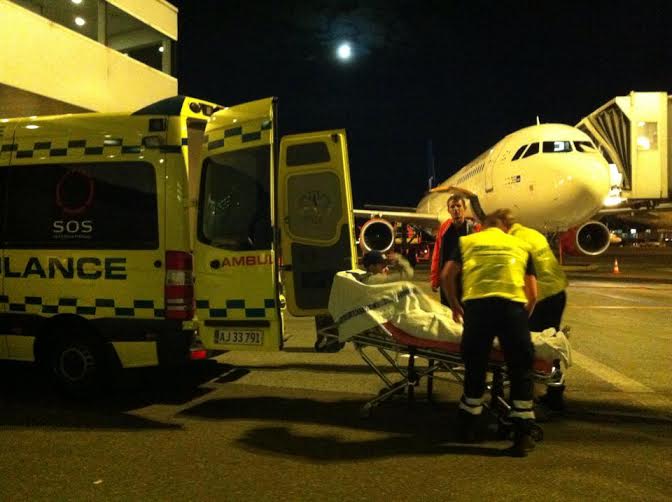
pixel 198 354
pixel 179 288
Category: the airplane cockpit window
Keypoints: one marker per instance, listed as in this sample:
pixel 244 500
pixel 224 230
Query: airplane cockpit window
pixel 557 146
pixel 518 153
pixel 585 147
pixel 533 150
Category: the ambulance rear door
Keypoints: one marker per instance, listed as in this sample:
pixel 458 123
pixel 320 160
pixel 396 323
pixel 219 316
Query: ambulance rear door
pixel 236 288
pixel 6 149
pixel 315 218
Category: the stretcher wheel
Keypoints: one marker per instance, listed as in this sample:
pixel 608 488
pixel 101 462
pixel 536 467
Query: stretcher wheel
pixel 537 433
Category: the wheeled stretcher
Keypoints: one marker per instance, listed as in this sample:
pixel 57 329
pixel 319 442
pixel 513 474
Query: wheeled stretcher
pixel 398 320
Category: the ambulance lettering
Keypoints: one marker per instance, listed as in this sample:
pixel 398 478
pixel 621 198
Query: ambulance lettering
pixel 86 267
pixel 247 261
pixel 71 227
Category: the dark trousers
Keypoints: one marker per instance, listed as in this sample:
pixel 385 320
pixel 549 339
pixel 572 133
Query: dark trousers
pixel 548 312
pixel 483 320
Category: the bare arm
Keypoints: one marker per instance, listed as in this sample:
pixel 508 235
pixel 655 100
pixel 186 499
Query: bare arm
pixel 400 267
pixel 530 293
pixel 449 277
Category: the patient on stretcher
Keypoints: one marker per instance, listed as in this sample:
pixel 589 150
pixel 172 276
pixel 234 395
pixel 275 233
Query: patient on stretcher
pixel 418 320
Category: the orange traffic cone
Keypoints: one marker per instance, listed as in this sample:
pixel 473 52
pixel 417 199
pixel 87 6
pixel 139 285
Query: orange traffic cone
pixel 615 270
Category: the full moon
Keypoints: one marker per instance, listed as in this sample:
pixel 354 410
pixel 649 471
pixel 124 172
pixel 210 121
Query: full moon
pixel 344 51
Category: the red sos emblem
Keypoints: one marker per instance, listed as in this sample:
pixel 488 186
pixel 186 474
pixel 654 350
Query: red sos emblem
pixel 74 192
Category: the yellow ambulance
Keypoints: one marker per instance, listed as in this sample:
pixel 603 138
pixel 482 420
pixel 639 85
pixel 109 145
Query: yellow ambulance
pixel 274 217
pixel 96 267
pixel 127 237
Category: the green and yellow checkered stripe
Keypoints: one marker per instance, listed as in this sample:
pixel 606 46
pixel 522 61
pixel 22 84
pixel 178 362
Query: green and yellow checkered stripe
pixel 235 306
pixel 77 147
pixel 236 136
pixel 99 307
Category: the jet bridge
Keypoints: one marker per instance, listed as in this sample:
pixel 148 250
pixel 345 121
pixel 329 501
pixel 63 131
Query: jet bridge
pixel 633 133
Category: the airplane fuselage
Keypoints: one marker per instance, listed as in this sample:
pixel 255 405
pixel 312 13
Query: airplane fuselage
pixel 550 176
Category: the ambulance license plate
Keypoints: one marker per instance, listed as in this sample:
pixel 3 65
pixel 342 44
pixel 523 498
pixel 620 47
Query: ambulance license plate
pixel 239 336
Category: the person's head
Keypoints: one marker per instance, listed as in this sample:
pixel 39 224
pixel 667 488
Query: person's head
pixel 456 207
pixel 500 218
pixel 374 262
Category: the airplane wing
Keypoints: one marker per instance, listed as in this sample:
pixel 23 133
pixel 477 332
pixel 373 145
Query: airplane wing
pixel 425 220
pixel 422 219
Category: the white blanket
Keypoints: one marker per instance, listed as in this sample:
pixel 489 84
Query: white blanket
pixel 357 307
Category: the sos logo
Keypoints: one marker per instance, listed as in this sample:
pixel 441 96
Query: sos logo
pixel 72 227
pixel 74 196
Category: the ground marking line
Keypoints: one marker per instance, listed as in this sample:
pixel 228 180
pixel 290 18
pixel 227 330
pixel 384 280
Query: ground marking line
pixel 599 285
pixel 638 307
pixel 643 394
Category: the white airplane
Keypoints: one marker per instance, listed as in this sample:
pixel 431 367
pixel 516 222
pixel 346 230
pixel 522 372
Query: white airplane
pixel 550 175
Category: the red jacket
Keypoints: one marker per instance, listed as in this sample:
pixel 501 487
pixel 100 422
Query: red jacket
pixel 435 271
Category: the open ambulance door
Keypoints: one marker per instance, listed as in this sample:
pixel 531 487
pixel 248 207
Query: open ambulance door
pixel 314 217
pixel 6 154
pixel 236 287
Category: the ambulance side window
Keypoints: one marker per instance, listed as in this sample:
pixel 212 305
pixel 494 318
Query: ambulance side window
pixel 235 203
pixel 105 205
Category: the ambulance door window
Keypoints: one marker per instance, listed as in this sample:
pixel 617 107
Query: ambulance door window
pixel 312 213
pixel 235 203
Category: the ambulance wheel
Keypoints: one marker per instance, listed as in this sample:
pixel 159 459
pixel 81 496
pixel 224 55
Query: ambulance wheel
pixel 78 365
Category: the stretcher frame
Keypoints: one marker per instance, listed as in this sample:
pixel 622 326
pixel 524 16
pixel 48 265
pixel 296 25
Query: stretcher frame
pixel 382 340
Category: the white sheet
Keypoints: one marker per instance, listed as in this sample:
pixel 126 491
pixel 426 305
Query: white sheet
pixel 357 307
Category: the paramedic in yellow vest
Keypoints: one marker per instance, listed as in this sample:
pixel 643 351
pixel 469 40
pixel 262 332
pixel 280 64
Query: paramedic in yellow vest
pixel 551 285
pixel 551 280
pixel 499 294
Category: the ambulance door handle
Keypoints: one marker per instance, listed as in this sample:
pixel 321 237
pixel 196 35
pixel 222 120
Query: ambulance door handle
pixel 286 268
pixel 215 264
pixel 157 263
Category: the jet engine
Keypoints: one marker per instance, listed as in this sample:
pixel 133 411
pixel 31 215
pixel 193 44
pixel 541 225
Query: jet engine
pixel 591 238
pixel 376 234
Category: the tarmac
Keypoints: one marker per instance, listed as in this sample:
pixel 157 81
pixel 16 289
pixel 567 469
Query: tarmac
pixel 623 264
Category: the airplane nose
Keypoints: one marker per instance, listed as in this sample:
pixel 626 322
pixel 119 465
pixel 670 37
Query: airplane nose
pixel 592 178
pixel 577 188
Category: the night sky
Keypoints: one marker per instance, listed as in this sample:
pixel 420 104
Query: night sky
pixel 461 74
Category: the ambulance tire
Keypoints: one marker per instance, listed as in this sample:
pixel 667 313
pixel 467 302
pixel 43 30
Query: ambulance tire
pixel 78 363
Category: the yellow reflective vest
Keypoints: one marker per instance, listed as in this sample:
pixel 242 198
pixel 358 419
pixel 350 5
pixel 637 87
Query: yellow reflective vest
pixel 550 277
pixel 493 265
